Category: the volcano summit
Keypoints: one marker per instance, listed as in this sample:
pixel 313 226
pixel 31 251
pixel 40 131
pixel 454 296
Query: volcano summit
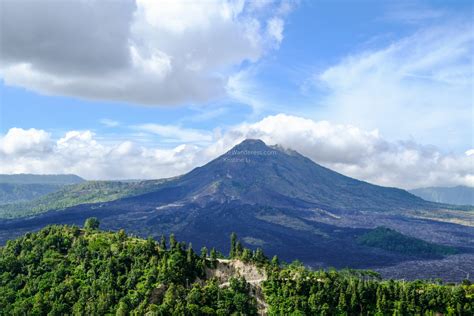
pixel 285 203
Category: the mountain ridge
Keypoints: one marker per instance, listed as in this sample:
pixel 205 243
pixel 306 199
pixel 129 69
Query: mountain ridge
pixel 252 162
pixel 458 195
pixel 28 178
pixel 274 198
pixel 15 188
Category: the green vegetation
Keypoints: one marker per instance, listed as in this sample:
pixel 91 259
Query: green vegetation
pixel 91 223
pixel 67 270
pixel 391 240
pixel 295 290
pixel 14 193
pixel 71 195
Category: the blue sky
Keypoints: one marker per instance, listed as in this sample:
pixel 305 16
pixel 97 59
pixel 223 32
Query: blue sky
pixel 398 71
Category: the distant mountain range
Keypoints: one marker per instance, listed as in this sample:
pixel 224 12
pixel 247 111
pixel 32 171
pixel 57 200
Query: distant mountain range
pixel 25 178
pixel 16 188
pixel 279 200
pixel 61 197
pixel 460 195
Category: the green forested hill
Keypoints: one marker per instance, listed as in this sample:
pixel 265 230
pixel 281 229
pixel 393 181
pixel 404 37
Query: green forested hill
pixel 15 193
pixel 295 288
pixel 18 188
pixel 391 240
pixel 67 270
pixel 71 195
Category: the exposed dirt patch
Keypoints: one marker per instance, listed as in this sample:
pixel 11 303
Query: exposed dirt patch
pixel 227 269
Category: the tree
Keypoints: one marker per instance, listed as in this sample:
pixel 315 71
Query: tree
pixel 150 245
pixel 342 304
pixel 275 261
pixel 92 223
pixel 122 309
pixel 203 252
pixel 213 254
pixel 238 249
pixel 190 253
pixel 163 243
pixel 97 273
pixel 122 236
pixel 246 255
pixel 172 241
pixel 259 256
pixel 233 245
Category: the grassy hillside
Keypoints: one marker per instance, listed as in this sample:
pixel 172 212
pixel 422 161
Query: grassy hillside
pixel 14 193
pixel 67 270
pixel 16 188
pixel 391 240
pixel 87 192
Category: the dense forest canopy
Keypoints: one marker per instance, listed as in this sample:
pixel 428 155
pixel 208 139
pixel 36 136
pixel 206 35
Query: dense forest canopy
pixel 20 193
pixel 67 270
pixel 391 240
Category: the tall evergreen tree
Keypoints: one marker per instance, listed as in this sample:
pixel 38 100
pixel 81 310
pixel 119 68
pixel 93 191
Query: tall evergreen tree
pixel 173 242
pixel 233 245
pixel 92 223
pixel 275 261
pixel 204 252
pixel 163 242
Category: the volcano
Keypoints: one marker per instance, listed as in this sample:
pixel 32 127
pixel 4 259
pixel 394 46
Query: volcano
pixel 273 198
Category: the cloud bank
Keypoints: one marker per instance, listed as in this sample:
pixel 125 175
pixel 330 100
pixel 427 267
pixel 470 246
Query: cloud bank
pixel 347 149
pixel 146 52
pixel 419 86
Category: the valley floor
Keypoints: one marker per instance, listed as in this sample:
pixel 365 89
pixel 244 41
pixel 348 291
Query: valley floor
pixel 453 268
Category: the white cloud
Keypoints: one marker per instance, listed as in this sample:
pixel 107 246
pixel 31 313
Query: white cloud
pixel 149 52
pixel 275 29
pixel 420 86
pixel 242 88
pixel 362 154
pixel 81 153
pixel 19 141
pixel 348 149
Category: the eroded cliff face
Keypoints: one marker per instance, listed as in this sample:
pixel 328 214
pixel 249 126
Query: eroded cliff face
pixel 225 269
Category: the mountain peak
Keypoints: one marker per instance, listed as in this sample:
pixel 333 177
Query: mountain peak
pixel 250 151
pixel 251 144
pixel 257 146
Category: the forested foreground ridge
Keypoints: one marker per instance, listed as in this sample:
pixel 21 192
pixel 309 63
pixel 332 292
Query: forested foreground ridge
pixel 84 271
